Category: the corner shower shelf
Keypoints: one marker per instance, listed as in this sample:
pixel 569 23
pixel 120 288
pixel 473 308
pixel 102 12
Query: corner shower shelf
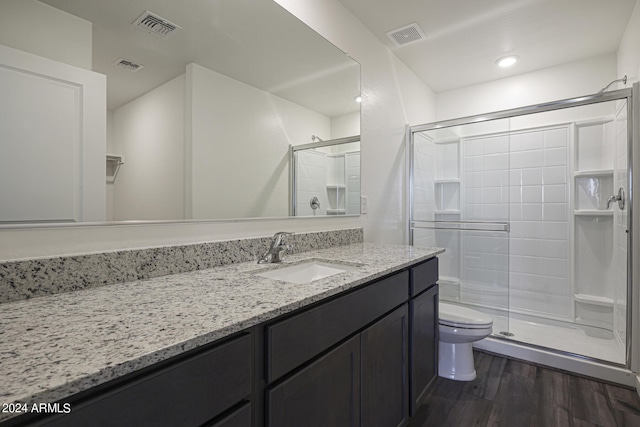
pixel 447 212
pixel 114 162
pixel 447 181
pixel 446 280
pixel 593 212
pixel 336 211
pixel 600 172
pixel 593 299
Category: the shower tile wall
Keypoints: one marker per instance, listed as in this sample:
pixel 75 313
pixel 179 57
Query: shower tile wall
pixel 521 178
pixel 485 197
pixel 311 182
pixel 424 203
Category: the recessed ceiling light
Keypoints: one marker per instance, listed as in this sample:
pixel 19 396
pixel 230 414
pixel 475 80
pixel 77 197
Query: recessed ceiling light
pixel 358 99
pixel 507 61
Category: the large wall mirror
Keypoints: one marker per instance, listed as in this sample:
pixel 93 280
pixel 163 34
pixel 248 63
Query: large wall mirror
pixel 152 110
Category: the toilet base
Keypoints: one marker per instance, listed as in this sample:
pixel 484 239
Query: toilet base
pixel 455 361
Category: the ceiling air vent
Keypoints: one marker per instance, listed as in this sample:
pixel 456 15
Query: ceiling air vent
pixel 156 25
pixel 128 65
pixel 405 35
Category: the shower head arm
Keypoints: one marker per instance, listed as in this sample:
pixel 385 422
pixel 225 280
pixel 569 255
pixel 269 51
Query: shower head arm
pixel 623 80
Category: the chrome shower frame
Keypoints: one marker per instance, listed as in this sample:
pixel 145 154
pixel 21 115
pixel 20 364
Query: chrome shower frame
pixel 632 96
pixel 292 163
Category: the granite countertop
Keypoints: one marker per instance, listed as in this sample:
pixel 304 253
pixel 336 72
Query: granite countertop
pixel 55 346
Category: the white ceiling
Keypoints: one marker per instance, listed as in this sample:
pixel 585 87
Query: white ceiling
pixel 254 41
pixel 465 37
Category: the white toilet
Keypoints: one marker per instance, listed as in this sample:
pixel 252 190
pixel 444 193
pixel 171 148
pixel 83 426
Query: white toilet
pixel 459 327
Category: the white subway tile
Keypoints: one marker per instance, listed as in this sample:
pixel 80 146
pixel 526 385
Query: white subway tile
pixel 554 175
pixel 556 212
pixel 555 138
pixel 555 267
pixel 555 230
pixel 532 194
pixel 532 211
pixel 555 157
pixel 555 248
pixel 532 176
pixel 555 193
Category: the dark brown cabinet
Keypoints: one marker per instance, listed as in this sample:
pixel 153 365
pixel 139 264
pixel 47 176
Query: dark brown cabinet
pixel 325 393
pixel 385 392
pixel 360 382
pixel 423 310
pixel 189 392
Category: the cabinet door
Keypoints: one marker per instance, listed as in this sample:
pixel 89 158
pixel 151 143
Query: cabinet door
pixel 325 393
pixel 187 393
pixel 424 343
pixel 385 391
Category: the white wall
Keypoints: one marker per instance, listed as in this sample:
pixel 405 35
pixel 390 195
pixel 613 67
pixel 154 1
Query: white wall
pixel 67 38
pixel 392 97
pixel 236 126
pixel 345 125
pixel 629 64
pixel 149 133
pixel 629 50
pixel 551 84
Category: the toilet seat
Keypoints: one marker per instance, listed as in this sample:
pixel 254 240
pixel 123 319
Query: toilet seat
pixel 462 317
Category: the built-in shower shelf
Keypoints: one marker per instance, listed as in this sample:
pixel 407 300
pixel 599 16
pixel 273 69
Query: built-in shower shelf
pixel 599 172
pixel 447 212
pixel 336 212
pixel 593 212
pixel 447 181
pixel 593 299
pixel 446 280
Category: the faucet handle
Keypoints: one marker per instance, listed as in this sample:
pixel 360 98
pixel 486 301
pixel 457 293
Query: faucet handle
pixel 277 238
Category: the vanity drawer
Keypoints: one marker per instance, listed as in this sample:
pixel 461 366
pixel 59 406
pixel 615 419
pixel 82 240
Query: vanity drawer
pixel 423 276
pixel 299 338
pixel 187 393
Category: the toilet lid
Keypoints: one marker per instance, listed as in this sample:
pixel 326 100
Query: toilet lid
pixel 455 315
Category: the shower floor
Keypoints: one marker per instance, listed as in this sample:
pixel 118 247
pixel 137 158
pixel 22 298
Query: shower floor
pixel 568 338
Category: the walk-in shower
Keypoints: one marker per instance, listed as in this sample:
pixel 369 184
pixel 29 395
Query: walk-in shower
pixel 533 206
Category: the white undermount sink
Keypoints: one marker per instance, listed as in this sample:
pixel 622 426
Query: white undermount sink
pixel 306 272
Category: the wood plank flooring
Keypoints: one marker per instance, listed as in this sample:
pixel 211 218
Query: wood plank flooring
pixel 517 394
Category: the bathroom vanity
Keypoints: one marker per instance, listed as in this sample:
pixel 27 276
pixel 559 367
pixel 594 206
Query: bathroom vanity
pixel 355 348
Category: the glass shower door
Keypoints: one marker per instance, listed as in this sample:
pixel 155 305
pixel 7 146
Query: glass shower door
pixel 460 201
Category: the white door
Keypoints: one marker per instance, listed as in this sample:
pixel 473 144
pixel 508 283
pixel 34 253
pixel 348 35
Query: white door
pixel 52 140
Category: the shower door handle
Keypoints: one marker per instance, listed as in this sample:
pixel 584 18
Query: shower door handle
pixel 617 198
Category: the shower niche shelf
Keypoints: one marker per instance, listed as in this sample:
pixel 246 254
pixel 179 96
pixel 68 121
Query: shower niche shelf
pixel 447 192
pixel 593 212
pixel 592 188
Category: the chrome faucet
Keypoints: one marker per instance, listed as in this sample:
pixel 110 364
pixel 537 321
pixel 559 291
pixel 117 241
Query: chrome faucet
pixel 274 254
pixel 617 198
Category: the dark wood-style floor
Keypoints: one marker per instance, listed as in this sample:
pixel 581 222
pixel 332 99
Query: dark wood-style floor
pixel 517 394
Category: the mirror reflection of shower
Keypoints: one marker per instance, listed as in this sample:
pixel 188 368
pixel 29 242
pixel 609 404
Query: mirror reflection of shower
pixel 325 177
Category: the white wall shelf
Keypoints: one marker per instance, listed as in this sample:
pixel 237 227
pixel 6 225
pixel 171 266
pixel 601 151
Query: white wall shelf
pixel 593 299
pixel 590 173
pixel 114 161
pixel 447 212
pixel 593 212
pixel 336 211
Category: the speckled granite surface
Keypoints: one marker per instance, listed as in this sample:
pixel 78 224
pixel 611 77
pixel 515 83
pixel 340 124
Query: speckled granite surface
pixel 55 346
pixel 48 276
